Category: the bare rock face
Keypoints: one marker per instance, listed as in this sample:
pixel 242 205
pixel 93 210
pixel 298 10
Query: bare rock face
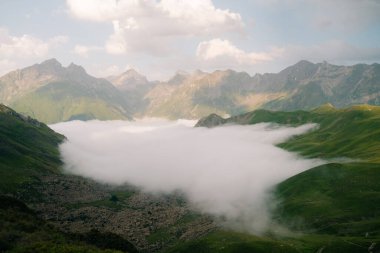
pixel 210 121
pixel 128 80
pixel 151 222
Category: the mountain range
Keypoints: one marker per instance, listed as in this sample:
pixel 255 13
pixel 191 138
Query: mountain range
pixel 52 93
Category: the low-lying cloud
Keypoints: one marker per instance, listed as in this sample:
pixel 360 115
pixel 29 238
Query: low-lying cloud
pixel 225 171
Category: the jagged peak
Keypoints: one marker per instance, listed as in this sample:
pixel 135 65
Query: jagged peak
pixel 198 72
pixel 76 68
pixel 131 73
pixel 181 72
pixel 303 63
pixel 51 62
pixel 211 120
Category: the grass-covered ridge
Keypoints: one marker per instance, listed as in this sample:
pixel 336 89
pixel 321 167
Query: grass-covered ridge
pixel 63 101
pixel 337 205
pixel 27 148
pixel 353 132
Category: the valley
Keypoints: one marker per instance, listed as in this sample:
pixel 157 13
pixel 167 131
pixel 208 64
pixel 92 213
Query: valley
pixel 167 223
pixel 177 126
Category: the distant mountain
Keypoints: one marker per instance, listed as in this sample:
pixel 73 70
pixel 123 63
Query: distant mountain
pixel 198 94
pixel 304 85
pixel 309 85
pixel 133 87
pixel 128 80
pixel 52 93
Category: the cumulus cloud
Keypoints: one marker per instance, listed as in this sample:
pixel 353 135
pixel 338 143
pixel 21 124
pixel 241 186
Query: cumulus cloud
pixel 222 53
pixel 26 45
pixel 16 51
pixel 225 171
pixel 150 25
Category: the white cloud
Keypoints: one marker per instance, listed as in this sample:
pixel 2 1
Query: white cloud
pixel 150 25
pixel 26 45
pixel 16 51
pixel 83 51
pixel 223 171
pixel 7 66
pixel 223 53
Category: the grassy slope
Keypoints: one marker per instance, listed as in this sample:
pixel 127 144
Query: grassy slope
pixel 58 102
pixel 336 205
pixel 337 198
pixel 27 148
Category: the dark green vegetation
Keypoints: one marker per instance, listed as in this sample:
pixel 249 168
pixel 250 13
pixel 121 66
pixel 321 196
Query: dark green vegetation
pixel 28 148
pixel 334 207
pixel 234 242
pixel 337 205
pixel 22 231
pixel 29 151
pixel 75 214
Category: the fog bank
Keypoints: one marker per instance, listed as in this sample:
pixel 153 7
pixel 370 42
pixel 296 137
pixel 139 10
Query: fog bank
pixel 225 171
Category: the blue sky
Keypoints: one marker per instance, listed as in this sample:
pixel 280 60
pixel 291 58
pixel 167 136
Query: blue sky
pixel 160 37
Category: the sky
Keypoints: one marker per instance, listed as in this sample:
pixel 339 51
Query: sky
pixel 159 37
pixel 225 171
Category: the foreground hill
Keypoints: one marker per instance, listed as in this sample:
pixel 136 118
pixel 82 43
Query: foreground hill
pixel 336 205
pixel 43 209
pixel 52 93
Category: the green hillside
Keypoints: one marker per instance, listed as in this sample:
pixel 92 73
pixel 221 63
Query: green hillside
pixel 52 93
pixel 22 231
pixel 27 148
pixel 29 152
pixel 63 101
pixel 337 205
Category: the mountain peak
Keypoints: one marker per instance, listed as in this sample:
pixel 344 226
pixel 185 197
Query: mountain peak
pixel 303 63
pixel 51 62
pixel 75 68
pixel 131 73
pixel 182 73
pixel 128 80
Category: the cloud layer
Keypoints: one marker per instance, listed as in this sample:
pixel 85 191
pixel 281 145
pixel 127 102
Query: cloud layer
pixel 14 49
pixel 222 53
pixel 150 25
pixel 226 171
